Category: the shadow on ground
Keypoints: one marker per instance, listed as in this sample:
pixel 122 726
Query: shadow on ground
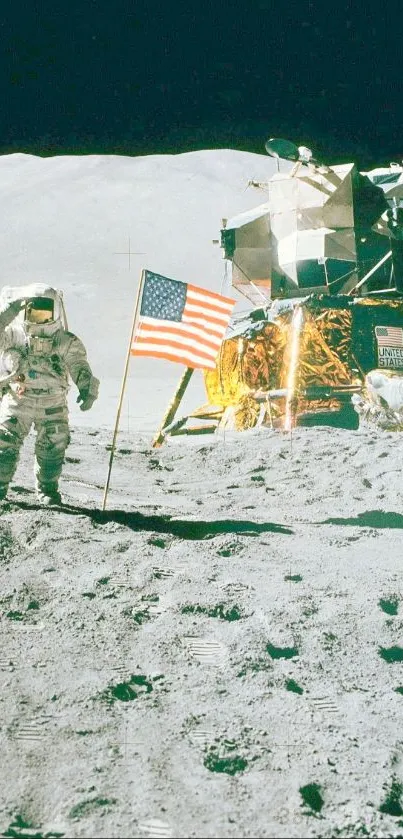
pixel 371 518
pixel 184 529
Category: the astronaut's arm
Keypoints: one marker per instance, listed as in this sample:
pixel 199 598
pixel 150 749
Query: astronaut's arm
pixel 8 312
pixel 81 373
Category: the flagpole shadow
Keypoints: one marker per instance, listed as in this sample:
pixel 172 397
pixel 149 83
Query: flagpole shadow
pixel 188 529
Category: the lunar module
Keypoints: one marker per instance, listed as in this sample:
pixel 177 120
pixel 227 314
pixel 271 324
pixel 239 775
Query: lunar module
pixel 321 265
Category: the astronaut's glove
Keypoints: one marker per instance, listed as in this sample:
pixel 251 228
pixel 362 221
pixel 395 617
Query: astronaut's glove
pixel 16 306
pixel 86 399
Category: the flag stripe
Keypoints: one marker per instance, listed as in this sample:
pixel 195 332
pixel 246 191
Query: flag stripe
pixel 152 324
pixel 205 312
pixel 205 309
pixel 195 300
pixel 177 347
pixel 190 359
pixel 178 340
pixel 205 322
pixel 178 343
pixel 212 305
pixel 212 295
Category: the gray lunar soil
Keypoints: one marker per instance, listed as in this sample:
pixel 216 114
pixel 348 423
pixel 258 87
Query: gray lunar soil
pixel 219 653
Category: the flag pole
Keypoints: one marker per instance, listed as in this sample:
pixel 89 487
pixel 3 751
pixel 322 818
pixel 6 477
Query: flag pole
pixel 122 389
pixel 172 407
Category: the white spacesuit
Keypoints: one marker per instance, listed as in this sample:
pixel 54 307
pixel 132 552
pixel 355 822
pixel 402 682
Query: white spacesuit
pixel 38 355
pixel 381 401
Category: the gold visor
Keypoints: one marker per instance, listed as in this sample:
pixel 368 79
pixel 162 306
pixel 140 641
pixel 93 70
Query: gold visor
pixel 35 314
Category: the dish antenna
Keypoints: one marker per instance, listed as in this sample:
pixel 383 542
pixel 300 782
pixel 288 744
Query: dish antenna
pixel 285 149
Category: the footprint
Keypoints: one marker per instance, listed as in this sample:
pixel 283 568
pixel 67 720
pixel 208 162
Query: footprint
pixel 232 589
pixel 88 807
pixel 155 828
pixel 206 651
pixel 161 573
pixel 201 737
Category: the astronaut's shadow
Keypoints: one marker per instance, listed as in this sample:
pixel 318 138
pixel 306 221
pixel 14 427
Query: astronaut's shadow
pixel 182 528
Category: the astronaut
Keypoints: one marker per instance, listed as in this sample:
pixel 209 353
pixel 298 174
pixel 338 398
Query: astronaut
pixel 37 356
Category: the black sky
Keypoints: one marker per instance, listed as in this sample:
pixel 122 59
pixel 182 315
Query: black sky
pixel 141 77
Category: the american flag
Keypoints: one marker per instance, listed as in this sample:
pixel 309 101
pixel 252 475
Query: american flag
pixel 181 322
pixel 389 336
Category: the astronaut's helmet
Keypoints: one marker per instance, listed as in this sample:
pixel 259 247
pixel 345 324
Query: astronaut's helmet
pixel 42 314
pixel 43 310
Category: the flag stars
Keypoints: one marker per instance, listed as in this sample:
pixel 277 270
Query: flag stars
pixel 163 299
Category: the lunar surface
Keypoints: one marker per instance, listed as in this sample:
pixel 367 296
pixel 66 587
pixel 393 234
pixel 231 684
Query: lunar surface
pixel 219 652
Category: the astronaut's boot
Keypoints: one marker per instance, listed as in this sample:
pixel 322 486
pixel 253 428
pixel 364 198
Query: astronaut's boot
pixel 48 494
pixel 3 491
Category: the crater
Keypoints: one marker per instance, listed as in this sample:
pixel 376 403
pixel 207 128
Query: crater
pixel 281 652
pixel 389 606
pixel 130 690
pixel 392 804
pixel 226 613
pixel 391 654
pixel 312 797
pixel 294 686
